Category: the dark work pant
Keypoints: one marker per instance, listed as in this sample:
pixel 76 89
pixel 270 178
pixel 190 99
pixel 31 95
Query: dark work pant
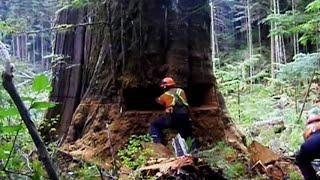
pixel 309 151
pixel 179 122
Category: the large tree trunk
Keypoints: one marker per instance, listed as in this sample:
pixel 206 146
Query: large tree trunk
pixel 121 65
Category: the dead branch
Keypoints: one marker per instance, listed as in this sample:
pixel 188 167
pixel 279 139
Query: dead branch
pixel 269 123
pixel 25 115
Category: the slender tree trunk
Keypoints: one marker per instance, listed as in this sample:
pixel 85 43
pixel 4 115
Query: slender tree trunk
pixel 18 48
pixel 122 40
pixel 34 50
pixel 213 39
pixel 260 44
pixel 283 50
pixel 251 66
pixel 277 38
pixel 217 50
pixel 295 36
pixel 296 97
pixel 42 51
pixel 25 49
pixel 13 45
pixel 272 44
pixel 49 60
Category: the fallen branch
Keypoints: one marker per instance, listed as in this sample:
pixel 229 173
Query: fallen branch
pixel 269 123
pixel 43 153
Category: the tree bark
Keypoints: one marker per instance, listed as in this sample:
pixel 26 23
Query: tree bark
pixel 159 38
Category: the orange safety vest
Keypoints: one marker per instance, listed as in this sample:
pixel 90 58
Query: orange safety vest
pixel 169 98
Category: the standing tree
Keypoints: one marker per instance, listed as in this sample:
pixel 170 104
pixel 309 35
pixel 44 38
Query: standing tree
pixel 110 77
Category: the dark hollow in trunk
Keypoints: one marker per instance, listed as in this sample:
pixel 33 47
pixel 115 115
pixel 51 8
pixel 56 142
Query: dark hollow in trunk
pixel 141 99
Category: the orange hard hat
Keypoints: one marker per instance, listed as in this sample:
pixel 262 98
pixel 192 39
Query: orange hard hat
pixel 167 82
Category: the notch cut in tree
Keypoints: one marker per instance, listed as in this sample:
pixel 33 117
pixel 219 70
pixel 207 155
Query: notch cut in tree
pixel 44 157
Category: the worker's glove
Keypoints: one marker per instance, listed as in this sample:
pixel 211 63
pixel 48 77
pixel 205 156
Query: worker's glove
pixel 169 110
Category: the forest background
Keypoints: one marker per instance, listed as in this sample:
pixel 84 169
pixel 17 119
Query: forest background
pixel 265 56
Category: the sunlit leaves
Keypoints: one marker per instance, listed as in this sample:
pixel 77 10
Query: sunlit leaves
pixel 306 23
pixel 313 7
pixel 6 28
pixel 300 69
pixel 41 84
pixel 10 112
pixel 10 130
pixel 41 105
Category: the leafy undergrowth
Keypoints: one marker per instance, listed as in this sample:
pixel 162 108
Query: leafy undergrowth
pixel 134 155
pixel 272 99
pixel 222 157
pixel 258 100
pixel 16 145
pixel 262 104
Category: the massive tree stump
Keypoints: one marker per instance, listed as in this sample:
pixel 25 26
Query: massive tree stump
pixel 111 71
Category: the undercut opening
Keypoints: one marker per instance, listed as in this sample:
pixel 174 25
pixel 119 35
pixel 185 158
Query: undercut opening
pixel 142 99
pixel 199 94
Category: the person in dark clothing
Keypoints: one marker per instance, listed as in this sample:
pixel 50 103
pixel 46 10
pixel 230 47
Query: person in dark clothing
pixel 310 149
pixel 176 112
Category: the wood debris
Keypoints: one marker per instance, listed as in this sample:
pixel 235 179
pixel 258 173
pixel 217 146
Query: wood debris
pixel 190 167
pixel 266 161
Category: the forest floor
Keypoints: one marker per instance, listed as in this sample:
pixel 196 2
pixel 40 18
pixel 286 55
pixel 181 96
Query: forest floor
pixel 268 120
pixel 270 116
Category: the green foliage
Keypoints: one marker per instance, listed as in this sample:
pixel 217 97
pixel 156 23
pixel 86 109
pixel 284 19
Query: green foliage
pixel 10 130
pixel 41 105
pixel 38 171
pixel 313 7
pixel 224 157
pixel 35 96
pixel 41 83
pixel 294 175
pixel 235 170
pixel 250 108
pixel 133 155
pixel 301 69
pixel 305 23
pixel 27 15
pixel 8 112
pixel 87 171
pixel 5 29
pixel 80 3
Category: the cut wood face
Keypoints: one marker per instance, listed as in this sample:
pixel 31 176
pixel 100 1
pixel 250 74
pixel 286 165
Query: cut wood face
pixel 262 154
